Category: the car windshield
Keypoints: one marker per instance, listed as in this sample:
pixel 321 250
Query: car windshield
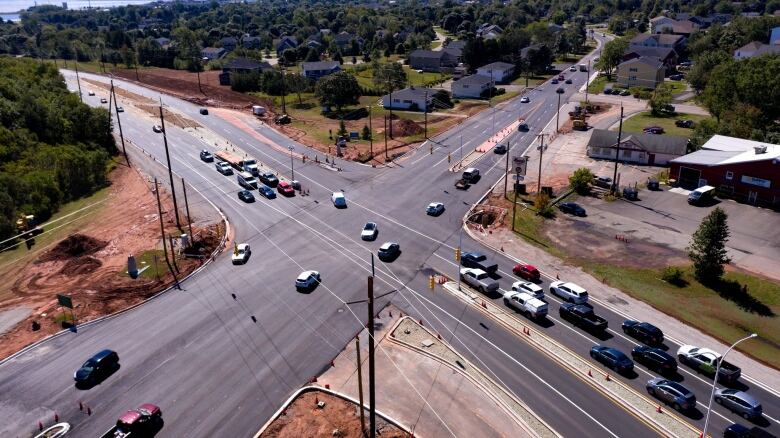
pixel 89 365
pixel 369 227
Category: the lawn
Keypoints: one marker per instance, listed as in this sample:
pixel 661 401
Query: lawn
pixel 639 121
pixel 597 85
pixel 676 87
pixel 533 80
pixel 147 260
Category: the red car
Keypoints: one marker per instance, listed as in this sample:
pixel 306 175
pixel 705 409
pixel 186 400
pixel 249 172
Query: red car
pixel 527 272
pixel 285 188
pixel 560 77
pixel 144 421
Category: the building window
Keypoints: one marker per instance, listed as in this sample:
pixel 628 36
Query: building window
pixel 408 101
pixel 627 153
pixel 633 69
pixel 632 78
pixel 729 175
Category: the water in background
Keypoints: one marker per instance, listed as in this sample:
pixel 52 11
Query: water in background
pixel 8 7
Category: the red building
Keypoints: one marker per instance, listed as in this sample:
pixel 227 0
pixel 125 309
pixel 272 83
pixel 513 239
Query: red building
pixel 745 170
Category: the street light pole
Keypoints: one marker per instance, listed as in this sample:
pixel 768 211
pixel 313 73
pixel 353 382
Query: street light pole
pixel 370 135
pixel 558 112
pixel 292 163
pixel 715 380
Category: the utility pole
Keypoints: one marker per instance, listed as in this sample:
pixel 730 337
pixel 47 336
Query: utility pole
pixel 371 383
pixel 284 91
pixel 587 82
pixel 78 82
pixel 559 91
pixel 617 151
pixel 187 208
pixel 390 87
pixel 385 119
pixel 135 64
pixel 514 208
pixel 541 154
pixel 118 122
pixel 506 171
pixel 360 386
pixel 370 135
pixel 162 231
pixel 170 171
pixel 426 114
pixel 110 101
pixel 292 165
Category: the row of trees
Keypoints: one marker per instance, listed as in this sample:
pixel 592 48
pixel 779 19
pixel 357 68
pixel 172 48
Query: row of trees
pixel 53 148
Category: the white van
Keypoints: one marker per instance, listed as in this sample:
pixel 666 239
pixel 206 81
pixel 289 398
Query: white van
pixel 701 195
pixel 246 180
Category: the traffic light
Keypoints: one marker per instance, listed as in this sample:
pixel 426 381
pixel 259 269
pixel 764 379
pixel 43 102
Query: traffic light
pixel 431 282
pixel 457 254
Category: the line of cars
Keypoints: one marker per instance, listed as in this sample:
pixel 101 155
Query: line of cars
pixel 248 176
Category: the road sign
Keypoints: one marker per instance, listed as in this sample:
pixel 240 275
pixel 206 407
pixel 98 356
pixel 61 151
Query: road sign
pixel 64 301
pixel 520 163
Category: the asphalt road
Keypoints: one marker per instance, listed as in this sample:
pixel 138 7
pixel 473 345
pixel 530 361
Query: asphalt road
pixel 214 371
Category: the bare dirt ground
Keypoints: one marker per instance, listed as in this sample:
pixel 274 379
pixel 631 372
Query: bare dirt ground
pixel 338 418
pixel 90 265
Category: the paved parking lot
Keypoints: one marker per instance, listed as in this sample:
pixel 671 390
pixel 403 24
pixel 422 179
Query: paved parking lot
pixel 665 217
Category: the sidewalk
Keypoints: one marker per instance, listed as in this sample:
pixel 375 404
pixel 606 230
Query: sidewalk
pixel 518 249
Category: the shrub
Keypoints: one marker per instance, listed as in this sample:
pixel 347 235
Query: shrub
pixel 673 275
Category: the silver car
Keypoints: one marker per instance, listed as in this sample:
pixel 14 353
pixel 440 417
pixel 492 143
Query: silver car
pixel 672 393
pixel 739 402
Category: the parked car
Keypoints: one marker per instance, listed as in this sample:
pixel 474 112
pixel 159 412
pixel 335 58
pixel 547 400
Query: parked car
pixel 478 261
pixel 204 111
pixel 643 331
pixel 269 179
pixel 607 91
pixel 97 368
pixel 625 93
pixel 282 119
pixel 246 196
pixel 525 99
pixel 567 81
pixel 500 149
pixel 532 289
pixel 434 209
pixel 612 358
pixel 684 123
pixel 630 193
pixel 479 280
pixel 569 292
pixel 307 280
pixel 266 191
pixel 526 304
pixel 529 272
pixel 572 208
pixel 653 130
pixel 389 251
pixel 339 200
pixel 241 254
pixel 206 156
pixel 223 168
pixel 285 188
pixel 677 77
pixel 157 128
pixel 671 393
pixel 655 359
pixel 705 361
pixel 739 402
pixel 582 316
pixel 604 182
pixel 369 231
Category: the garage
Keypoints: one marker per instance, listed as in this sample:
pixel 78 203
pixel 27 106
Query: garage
pixel 689 178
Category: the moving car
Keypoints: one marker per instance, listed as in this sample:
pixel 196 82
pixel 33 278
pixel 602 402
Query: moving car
pixel 737 430
pixel 677 77
pixel 671 393
pixel 500 149
pixel 569 292
pixel 389 251
pixel 529 272
pixel 119 109
pixel 643 331
pixel 526 304
pixel 739 402
pixel 90 93
pixel 369 231
pixel 339 200
pixel 269 179
pixel 204 111
pixel 246 196
pixel 307 280
pixel 97 368
pixel 285 188
pixel 206 156
pixel 241 254
pixel 478 261
pixel 567 81
pixel 266 191
pixel 223 168
pixel 572 208
pixel 705 361
pixel 581 315
pixel 145 421
pixel 572 68
pixel 655 359
pixel 524 99
pixel 554 81
pixel 478 279
pixel 532 289
pixel 471 175
pixel 157 128
pixel 612 357
pixel 434 209
pixel 103 100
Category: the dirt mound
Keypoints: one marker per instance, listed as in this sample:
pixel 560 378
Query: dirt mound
pixel 81 265
pixel 76 245
pixel 406 127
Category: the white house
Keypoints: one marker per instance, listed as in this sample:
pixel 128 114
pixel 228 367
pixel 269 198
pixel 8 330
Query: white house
pixel 415 99
pixel 774 37
pixel 497 71
pixel 756 48
pixel 648 149
pixel 473 86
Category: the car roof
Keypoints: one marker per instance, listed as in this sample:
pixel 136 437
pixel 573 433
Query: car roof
pixel 476 271
pixel 387 245
pixel 305 275
pixel 574 287
pixel 741 395
pixel 338 194
pixel 242 245
pixel 102 354
pixel 530 285
pixel 675 385
pixel 470 169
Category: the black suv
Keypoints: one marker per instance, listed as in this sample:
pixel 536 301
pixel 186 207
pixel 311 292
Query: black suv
pixel 655 359
pixel 246 196
pixel 97 368
pixel 269 179
pixel 643 331
pixel 206 156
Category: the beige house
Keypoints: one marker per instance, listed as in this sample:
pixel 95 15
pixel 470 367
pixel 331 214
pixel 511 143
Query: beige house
pixel 640 72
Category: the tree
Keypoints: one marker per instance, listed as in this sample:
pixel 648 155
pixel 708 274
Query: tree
pixel 580 180
pixel 366 135
pixel 661 100
pixel 338 89
pixel 390 76
pixel 612 56
pixel 539 59
pixel 700 72
pixel 707 250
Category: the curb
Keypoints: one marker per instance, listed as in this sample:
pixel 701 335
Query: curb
pixel 310 388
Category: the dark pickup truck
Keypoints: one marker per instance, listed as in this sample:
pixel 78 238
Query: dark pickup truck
pixel 478 261
pixel 582 316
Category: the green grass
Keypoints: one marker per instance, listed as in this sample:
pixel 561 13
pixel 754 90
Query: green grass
pixel 533 80
pixel 598 85
pixel 441 30
pixel 504 97
pixel 704 308
pixel 147 259
pixel 419 79
pixel 676 87
pixel 639 121
pixel 435 44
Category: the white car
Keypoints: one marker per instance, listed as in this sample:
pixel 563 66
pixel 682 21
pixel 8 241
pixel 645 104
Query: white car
pixel 524 99
pixel 103 100
pixel 241 254
pixel 532 289
pixel 223 168
pixel 572 68
pixel 119 109
pixel 90 93
pixel 569 292
pixel 157 128
pixel 338 199
pixel 307 280
pixel 435 209
pixel 369 232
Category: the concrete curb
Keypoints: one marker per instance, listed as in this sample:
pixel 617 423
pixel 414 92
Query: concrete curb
pixel 211 258
pixel 310 388
pixel 486 390
pixel 491 310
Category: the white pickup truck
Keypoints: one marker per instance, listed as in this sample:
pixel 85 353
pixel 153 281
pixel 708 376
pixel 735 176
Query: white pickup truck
pixel 479 280
pixel 526 304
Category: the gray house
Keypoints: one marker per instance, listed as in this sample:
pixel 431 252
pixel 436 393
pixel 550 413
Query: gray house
pixel 316 70
pixel 648 149
pixel 242 65
pixel 432 60
pixel 212 53
pixel 497 71
pixel 229 43
pixel 285 43
pixel 473 86
pixel 251 42
pixel 415 99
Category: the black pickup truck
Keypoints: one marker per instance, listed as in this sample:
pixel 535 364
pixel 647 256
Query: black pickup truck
pixel 477 261
pixel 582 316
